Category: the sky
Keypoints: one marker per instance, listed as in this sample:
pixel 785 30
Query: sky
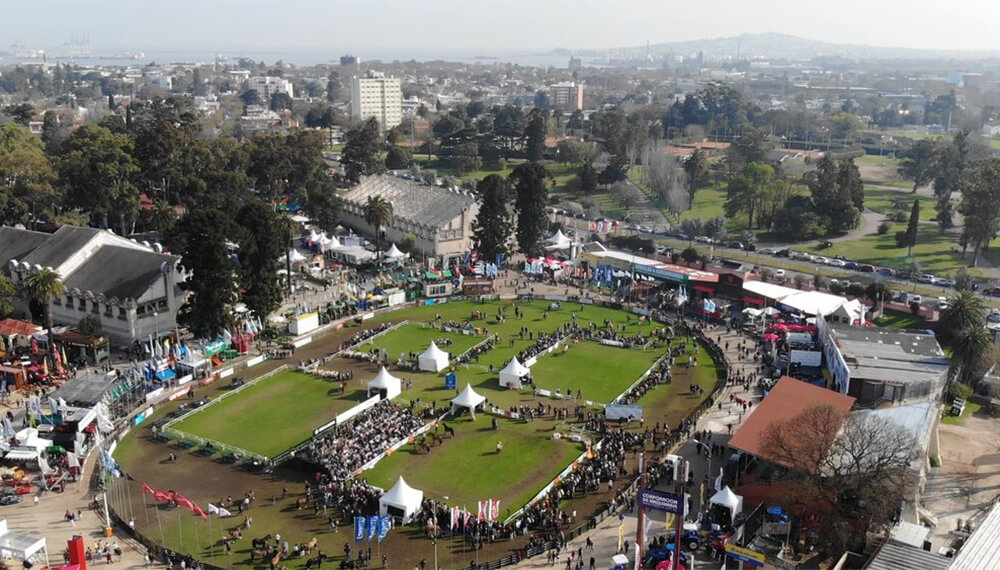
pixel 420 27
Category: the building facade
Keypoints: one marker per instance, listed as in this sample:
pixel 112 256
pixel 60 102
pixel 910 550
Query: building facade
pixel 133 288
pixel 376 95
pixel 568 96
pixel 439 219
pixel 268 86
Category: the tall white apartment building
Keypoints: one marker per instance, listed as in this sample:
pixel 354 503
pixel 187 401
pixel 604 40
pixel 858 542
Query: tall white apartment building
pixel 269 85
pixel 376 95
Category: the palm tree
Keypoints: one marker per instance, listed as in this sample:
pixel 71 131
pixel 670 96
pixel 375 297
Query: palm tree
pixel 378 213
pixel 288 228
pixel 42 287
pixel 969 349
pixel 965 311
pixel 162 218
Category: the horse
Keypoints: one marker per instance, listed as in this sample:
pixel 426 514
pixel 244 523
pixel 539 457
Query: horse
pixel 260 542
pixel 275 560
pixel 316 561
pixel 311 545
pixel 448 430
pixel 301 503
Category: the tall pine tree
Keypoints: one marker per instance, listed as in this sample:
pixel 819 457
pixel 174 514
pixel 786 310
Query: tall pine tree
pixel 530 196
pixel 911 227
pixel 491 229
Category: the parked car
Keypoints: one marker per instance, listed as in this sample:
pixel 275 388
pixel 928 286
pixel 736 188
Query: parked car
pixel 944 283
pixel 927 278
pixel 9 499
pixel 799 255
pixel 768 251
pixel 826 244
pixel 992 291
pixel 866 268
pixel 820 260
pixel 994 316
pixel 779 273
pixel 783 253
pixel 702 239
pixel 885 271
pixel 851 265
pixel 915 299
pixel 736 245
pixel 942 303
pixel 750 247
pixel 836 263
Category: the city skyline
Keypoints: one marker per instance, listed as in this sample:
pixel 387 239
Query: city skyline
pixel 395 29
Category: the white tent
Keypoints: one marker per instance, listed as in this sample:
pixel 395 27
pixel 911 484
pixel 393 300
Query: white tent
pixel 467 399
pixel 771 311
pixel 728 499
pixel 22 546
pixel 433 359
pixel 751 312
pixel 393 253
pixel 511 374
pixel 295 256
pixel 558 241
pixel 403 499
pixel 387 382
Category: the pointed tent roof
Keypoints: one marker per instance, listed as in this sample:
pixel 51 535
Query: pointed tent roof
pixel 313 236
pixel 403 494
pixel 383 380
pixel 727 498
pixel 557 237
pixel 515 368
pixel 433 352
pixel 393 253
pixel 295 255
pixel 469 398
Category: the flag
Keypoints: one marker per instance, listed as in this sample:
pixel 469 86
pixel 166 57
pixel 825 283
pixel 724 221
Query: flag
pixel 708 305
pixel 718 481
pixel 481 516
pixel 496 509
pixel 197 510
pixel 162 496
pixel 467 516
pixel 224 513
pixel 590 453
pixel 454 518
pixel 373 522
pixel 621 536
pixel 147 489
pixel 384 525
pixel 212 509
pixel 360 528
pixel 182 501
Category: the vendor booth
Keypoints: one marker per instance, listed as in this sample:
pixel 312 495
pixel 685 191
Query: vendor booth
pixel 25 547
pixel 469 399
pixel 433 359
pixel 727 504
pixel 93 349
pixel 401 501
pixel 512 374
pixel 393 254
pixel 302 324
pixel 387 385
pixel 16 334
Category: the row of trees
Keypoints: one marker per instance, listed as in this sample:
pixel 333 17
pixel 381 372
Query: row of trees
pixel 98 172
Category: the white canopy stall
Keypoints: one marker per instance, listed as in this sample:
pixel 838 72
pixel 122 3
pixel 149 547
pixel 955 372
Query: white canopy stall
pixel 386 384
pixel 401 501
pixel 512 374
pixel 433 359
pixel 393 254
pixel 558 241
pixel 469 398
pixel 729 500
pixel 22 546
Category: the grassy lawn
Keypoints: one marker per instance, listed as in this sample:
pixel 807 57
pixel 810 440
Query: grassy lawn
pixel 888 200
pixel 467 469
pixel 599 372
pixel 709 202
pixel 970 409
pixel 414 337
pixel 934 250
pixel 900 320
pixel 704 376
pixel 306 402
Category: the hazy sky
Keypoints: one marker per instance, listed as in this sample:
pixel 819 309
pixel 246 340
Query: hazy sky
pixel 495 26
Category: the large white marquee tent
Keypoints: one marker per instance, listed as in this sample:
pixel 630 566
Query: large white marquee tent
pixel 469 398
pixel 401 498
pixel 387 382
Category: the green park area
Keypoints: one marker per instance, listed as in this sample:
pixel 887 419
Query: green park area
pixel 598 372
pixel 273 414
pixel 416 337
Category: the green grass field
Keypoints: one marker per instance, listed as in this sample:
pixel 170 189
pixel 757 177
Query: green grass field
pixel 666 401
pixel 272 415
pixel 900 320
pixel 414 337
pixel 600 373
pixel 934 251
pixel 467 469
pixel 888 201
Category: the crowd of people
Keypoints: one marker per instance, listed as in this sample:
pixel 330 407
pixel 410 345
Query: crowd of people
pixel 473 354
pixel 361 336
pixel 345 448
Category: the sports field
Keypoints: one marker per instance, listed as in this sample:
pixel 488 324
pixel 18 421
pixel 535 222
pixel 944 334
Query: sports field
pixel 598 372
pixel 467 469
pixel 272 415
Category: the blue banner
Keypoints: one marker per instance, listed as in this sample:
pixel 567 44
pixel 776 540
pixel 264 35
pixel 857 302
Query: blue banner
pixel 372 527
pixel 360 528
pixel 450 381
pixel 384 524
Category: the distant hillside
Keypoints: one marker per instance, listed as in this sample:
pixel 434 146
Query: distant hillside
pixel 785 46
